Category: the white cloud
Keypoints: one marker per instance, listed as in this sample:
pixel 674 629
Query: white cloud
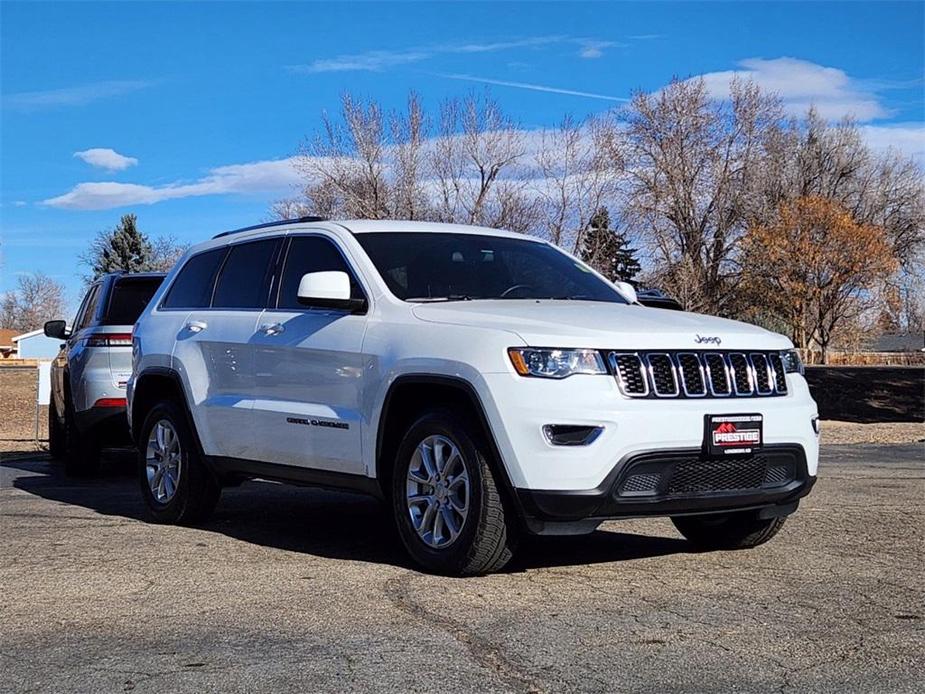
pixel 71 96
pixel 905 138
pixel 379 60
pixel 273 176
pixel 534 87
pixel 20 203
pixel 105 158
pixel 590 48
pixel 801 84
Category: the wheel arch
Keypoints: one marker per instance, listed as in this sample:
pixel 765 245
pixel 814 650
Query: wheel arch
pixel 153 385
pixel 402 404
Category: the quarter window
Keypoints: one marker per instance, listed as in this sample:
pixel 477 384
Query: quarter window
pixel 193 286
pixel 85 319
pixel 311 254
pixel 245 278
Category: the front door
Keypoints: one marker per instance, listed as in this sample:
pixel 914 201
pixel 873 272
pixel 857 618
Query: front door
pixel 309 371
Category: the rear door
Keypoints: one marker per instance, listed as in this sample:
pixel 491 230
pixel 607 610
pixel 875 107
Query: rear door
pixel 84 358
pixel 214 349
pixel 310 369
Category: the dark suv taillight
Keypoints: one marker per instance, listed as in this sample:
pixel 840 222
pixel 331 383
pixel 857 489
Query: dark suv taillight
pixel 109 340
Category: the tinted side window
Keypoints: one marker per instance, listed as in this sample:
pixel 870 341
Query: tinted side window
pixel 311 254
pixel 246 275
pixel 193 286
pixel 128 299
pixel 89 309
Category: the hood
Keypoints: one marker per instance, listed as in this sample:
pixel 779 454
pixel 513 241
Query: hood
pixel 599 325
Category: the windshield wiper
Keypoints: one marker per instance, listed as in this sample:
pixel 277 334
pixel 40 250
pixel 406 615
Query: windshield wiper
pixel 435 299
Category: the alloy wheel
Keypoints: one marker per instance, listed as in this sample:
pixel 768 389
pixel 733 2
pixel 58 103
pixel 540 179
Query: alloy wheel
pixel 162 461
pixel 437 491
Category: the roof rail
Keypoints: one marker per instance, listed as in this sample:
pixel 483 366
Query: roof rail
pixel 268 225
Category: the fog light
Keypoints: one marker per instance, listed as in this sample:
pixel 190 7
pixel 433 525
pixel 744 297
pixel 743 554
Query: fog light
pixel 571 435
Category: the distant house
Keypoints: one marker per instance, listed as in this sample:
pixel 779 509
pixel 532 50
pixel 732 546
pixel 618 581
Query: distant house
pixel 6 343
pixel 899 342
pixel 35 345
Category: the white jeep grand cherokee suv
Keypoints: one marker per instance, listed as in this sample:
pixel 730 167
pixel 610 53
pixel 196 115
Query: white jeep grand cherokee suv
pixel 483 383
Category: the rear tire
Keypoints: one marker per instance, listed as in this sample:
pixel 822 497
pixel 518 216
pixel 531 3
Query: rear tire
pixel 742 530
pixel 57 438
pixel 452 520
pixel 175 483
pixel 83 450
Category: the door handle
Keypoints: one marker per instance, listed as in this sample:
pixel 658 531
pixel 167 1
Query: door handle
pixel 272 329
pixel 196 326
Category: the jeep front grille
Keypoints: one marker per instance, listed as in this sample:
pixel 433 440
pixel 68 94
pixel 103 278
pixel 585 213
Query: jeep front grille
pixel 660 374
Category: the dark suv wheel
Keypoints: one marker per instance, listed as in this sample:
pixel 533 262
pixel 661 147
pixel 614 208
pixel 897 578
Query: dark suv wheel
pixel 175 483
pixel 446 502
pixel 728 530
pixel 57 439
pixel 83 450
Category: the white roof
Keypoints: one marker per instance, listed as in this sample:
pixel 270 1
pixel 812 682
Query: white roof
pixel 40 331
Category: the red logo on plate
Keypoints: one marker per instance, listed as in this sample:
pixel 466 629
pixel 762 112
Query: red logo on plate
pixel 726 428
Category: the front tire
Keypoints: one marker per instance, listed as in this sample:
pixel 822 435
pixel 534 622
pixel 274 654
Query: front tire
pixel 742 530
pixel 175 483
pixel 446 502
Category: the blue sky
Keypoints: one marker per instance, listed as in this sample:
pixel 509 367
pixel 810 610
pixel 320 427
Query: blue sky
pixel 199 103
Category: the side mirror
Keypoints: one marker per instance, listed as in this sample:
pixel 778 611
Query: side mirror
pixel 329 289
pixel 628 292
pixel 57 329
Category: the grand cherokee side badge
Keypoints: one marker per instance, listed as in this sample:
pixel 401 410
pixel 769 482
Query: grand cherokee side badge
pixel 318 423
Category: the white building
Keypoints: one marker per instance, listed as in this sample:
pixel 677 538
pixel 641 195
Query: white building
pixel 35 345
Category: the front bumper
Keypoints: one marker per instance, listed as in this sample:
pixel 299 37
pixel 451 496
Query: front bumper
pixel 675 482
pixel 519 408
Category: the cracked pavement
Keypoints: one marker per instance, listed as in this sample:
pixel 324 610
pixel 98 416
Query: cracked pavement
pixel 298 589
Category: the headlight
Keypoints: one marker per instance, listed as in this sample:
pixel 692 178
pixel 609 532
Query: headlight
pixel 556 363
pixel 792 362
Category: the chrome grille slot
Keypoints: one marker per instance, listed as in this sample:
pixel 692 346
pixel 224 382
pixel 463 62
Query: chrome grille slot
pixel 741 374
pixel 780 376
pixel 631 374
pixel 717 373
pixel 691 374
pixel 662 373
pixel 762 372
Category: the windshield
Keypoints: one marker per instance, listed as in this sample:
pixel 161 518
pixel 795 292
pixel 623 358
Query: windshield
pixel 458 267
pixel 129 298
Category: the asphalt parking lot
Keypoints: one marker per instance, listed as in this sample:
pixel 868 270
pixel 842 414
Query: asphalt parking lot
pixel 298 589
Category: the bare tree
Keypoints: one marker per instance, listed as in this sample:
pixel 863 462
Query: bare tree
pixel 691 163
pixel 579 168
pixel 36 299
pixel 474 167
pixel 370 165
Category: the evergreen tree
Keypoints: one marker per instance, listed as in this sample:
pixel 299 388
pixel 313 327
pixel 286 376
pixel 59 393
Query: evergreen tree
pixel 607 250
pixel 124 248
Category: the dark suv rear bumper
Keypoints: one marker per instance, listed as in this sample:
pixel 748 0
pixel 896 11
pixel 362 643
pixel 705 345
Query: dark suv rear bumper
pixel 108 424
pixel 671 483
